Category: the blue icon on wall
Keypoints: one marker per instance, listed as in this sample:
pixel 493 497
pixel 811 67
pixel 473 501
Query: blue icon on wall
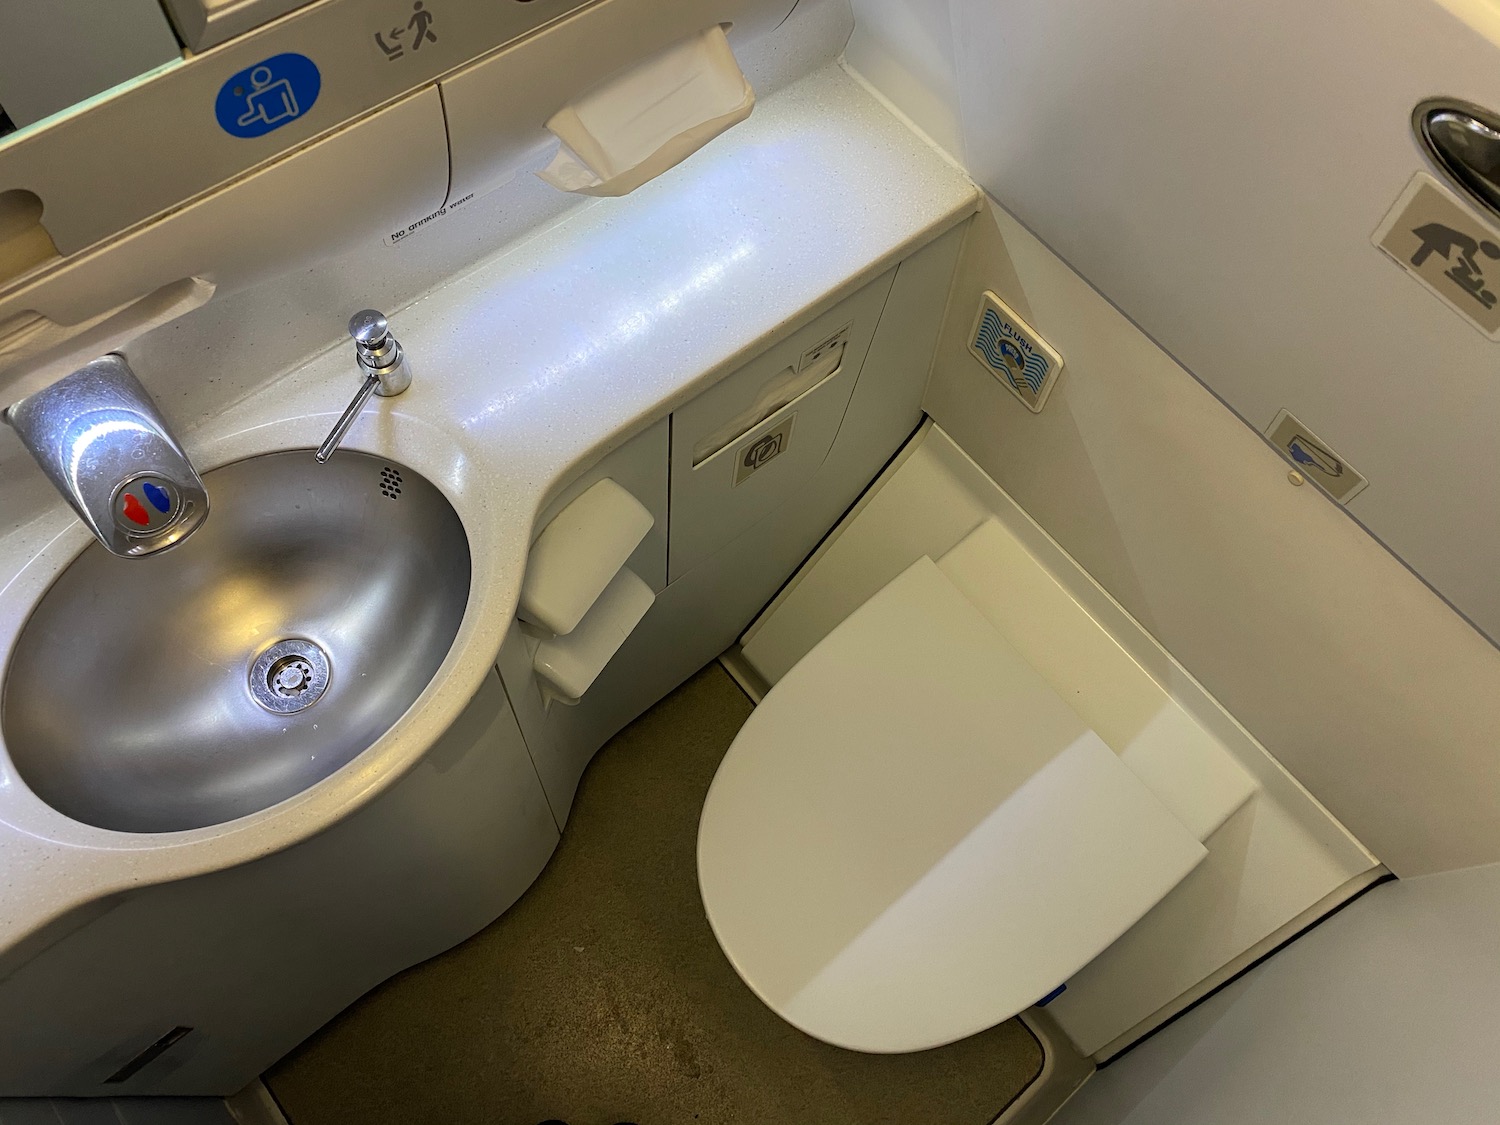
pixel 268 95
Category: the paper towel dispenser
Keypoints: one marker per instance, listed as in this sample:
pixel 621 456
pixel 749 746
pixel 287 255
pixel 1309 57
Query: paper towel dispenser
pixel 649 118
pixel 62 52
pixel 498 108
pixel 81 194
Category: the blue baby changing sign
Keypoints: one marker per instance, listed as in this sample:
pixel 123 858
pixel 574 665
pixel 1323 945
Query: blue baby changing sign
pixel 268 95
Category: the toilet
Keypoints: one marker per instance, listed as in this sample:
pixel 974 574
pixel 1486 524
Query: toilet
pixel 914 837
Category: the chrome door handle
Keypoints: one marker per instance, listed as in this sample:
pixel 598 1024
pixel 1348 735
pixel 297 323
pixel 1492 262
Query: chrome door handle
pixel 1464 140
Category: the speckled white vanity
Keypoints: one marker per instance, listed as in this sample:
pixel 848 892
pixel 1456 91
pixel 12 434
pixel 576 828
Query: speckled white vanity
pixel 604 345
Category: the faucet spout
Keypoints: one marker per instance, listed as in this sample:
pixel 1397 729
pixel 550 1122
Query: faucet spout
pixel 105 446
pixel 386 370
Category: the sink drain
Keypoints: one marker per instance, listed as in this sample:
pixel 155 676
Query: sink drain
pixel 289 676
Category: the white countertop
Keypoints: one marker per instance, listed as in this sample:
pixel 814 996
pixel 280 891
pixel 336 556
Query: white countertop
pixel 527 368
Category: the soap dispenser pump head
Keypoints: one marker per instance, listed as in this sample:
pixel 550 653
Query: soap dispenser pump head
pixel 369 328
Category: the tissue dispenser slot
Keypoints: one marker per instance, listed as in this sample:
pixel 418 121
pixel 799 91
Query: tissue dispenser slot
pixel 637 125
pixel 779 392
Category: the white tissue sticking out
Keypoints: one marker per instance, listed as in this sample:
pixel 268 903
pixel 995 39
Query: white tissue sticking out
pixel 636 125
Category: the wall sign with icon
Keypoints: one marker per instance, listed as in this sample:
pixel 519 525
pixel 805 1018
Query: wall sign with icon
pixel 1440 240
pixel 264 97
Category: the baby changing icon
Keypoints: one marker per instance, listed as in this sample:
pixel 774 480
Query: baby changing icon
pixel 268 95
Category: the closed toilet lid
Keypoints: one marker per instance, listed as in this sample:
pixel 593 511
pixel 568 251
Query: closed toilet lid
pixel 914 837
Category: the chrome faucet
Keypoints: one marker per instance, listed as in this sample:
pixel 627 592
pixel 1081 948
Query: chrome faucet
pixel 384 365
pixel 100 439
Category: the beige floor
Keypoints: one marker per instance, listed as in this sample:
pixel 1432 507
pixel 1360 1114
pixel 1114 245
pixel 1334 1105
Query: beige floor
pixel 602 997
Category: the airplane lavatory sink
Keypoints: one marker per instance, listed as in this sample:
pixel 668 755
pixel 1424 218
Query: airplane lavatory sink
pixel 250 661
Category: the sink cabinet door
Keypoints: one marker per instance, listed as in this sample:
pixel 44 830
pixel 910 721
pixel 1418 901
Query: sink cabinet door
pixel 255 958
pixel 726 477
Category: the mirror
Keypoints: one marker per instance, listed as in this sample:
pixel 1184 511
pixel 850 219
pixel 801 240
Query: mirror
pixel 75 50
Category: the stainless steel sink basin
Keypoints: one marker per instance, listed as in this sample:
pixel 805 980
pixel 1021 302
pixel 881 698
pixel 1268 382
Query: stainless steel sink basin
pixel 249 662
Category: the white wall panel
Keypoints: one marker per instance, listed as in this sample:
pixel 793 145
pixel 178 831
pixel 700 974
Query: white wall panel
pixel 904 48
pixel 1217 171
pixel 1363 683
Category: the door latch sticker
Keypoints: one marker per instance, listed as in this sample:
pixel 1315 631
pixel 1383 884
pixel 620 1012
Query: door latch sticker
pixel 1315 458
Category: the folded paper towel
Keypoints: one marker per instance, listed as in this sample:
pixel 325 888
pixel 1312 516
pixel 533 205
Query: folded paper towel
pixel 634 126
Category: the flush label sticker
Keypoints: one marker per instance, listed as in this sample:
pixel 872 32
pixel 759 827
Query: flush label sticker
pixel 1014 353
pixel 272 93
pixel 1445 244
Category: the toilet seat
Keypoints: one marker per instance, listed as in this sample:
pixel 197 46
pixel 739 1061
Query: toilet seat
pixel 914 837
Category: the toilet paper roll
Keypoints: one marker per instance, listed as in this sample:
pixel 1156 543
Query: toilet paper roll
pixel 635 126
